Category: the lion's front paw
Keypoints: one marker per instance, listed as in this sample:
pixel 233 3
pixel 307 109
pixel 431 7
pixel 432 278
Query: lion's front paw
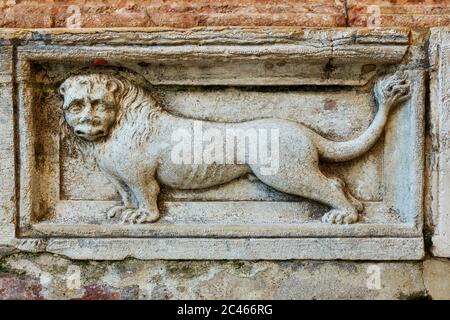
pixel 116 211
pixel 393 90
pixel 338 216
pixel 139 215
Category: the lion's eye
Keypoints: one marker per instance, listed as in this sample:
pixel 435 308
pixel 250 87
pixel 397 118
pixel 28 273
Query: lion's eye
pixel 75 108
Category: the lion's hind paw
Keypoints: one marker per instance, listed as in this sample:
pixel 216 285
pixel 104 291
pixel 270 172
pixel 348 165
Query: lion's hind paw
pixel 337 216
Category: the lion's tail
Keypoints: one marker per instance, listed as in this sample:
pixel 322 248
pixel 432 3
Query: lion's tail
pixel 333 151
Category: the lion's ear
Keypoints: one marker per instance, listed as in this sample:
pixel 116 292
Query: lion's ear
pixel 63 88
pixel 112 86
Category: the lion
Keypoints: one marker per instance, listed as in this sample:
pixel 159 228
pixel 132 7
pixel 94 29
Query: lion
pixel 128 134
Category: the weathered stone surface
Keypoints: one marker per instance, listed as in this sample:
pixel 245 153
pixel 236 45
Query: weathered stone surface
pixel 7 194
pixel 139 198
pixel 436 278
pixel 417 14
pixel 126 96
pixel 19 287
pixel 58 278
pixel 52 277
pixel 438 200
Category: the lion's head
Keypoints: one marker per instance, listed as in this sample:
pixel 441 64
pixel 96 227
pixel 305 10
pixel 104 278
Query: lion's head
pixel 101 106
pixel 90 104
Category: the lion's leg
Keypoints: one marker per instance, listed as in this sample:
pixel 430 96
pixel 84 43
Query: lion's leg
pixel 146 194
pixel 306 180
pixel 356 203
pixel 345 206
pixel 329 192
pixel 127 200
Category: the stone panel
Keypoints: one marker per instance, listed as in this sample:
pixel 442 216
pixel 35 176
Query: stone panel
pixel 96 124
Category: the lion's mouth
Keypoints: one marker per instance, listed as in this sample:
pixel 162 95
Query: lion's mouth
pixel 90 135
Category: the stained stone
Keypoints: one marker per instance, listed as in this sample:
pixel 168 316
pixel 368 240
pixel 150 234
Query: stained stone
pixel 53 277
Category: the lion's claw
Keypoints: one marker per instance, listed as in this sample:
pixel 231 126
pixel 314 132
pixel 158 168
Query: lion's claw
pixel 393 90
pixel 340 217
pixel 132 215
pixel 115 211
pixel 138 216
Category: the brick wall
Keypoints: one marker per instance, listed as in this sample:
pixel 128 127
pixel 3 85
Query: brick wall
pixel 191 13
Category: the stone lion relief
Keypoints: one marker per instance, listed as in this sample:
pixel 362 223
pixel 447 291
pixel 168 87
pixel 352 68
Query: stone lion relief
pixel 130 136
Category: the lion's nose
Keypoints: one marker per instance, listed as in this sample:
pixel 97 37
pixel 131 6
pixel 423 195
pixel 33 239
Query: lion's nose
pixel 86 119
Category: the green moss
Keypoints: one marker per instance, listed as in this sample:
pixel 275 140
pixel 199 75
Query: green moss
pixel 3 267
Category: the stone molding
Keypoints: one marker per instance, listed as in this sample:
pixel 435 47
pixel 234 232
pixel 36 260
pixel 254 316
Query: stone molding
pixel 439 53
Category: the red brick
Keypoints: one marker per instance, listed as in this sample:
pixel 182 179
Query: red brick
pixel 417 14
pixel 174 13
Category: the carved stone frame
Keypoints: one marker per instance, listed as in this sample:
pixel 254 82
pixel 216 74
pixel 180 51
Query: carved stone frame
pixel 402 241
pixel 439 204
